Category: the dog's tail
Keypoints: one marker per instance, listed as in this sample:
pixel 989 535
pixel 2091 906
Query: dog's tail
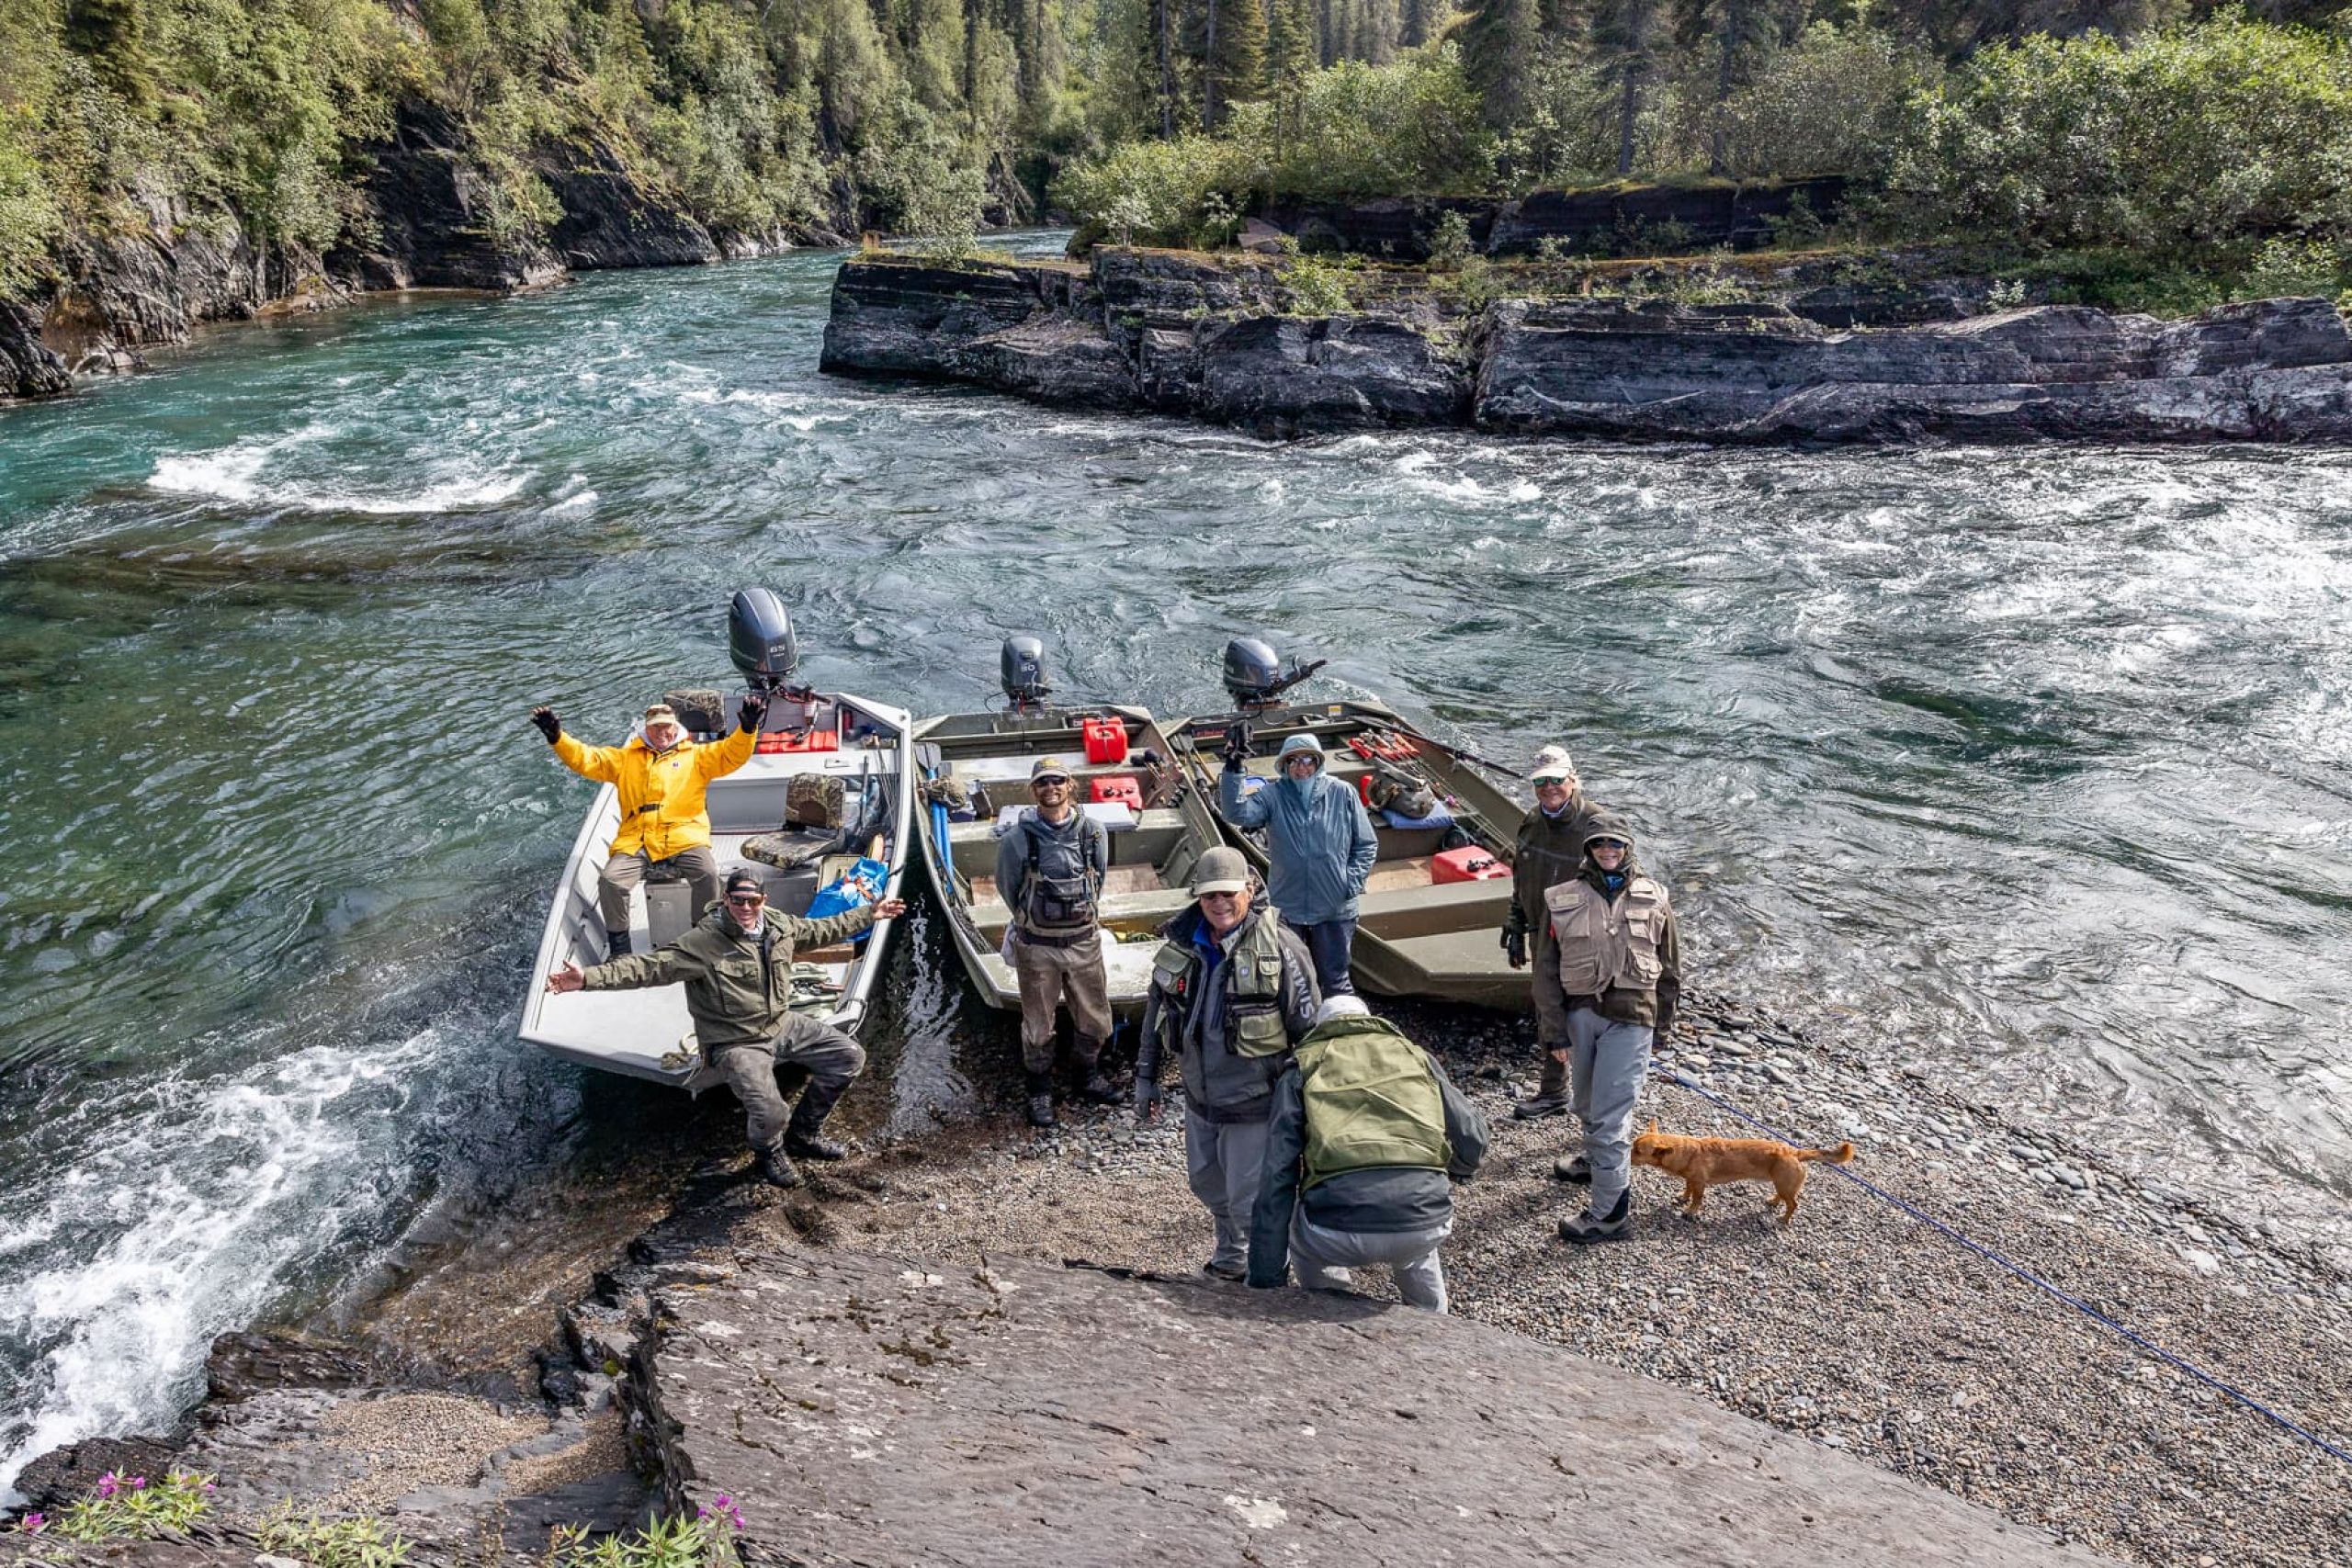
pixel 1842 1155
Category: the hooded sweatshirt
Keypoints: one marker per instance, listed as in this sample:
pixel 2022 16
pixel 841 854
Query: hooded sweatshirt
pixel 1320 839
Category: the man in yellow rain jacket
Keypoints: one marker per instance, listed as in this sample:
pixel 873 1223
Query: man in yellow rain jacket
pixel 660 776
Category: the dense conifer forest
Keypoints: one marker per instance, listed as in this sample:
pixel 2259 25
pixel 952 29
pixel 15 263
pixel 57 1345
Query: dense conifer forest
pixel 2103 124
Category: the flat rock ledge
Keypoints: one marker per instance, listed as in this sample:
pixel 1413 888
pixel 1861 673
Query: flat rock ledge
pixel 872 1411
pixel 1230 341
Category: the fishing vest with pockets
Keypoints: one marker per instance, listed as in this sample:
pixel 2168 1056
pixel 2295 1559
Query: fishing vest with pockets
pixel 1253 988
pixel 1608 945
pixel 1056 911
pixel 1371 1101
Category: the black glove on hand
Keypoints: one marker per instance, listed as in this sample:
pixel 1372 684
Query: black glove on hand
pixel 1515 948
pixel 1237 745
pixel 752 714
pixel 545 718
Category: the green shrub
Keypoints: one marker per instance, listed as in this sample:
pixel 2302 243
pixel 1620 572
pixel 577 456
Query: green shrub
pixel 128 1507
pixel 2191 137
pixel 358 1542
pixel 2294 267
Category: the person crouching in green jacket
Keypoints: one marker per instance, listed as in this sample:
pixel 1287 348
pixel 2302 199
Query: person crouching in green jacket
pixel 1376 1132
pixel 737 969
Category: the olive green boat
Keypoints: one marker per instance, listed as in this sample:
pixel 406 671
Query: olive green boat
pixel 1430 921
pixel 974 769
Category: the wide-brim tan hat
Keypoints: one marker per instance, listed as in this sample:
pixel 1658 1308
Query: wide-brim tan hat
pixel 662 713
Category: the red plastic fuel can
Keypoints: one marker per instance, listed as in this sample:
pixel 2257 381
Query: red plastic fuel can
pixel 1469 864
pixel 1125 789
pixel 1106 738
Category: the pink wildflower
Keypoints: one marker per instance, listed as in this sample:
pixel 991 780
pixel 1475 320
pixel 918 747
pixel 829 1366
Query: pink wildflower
pixel 33 1522
pixel 139 1483
pixel 109 1484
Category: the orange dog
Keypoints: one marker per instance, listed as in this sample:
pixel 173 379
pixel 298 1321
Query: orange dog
pixel 1702 1162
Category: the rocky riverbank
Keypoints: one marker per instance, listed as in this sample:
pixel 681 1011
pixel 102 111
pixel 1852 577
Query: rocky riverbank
pixel 1255 342
pixel 1860 1328
pixel 431 219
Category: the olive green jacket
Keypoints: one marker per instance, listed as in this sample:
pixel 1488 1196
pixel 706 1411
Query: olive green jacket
pixel 739 986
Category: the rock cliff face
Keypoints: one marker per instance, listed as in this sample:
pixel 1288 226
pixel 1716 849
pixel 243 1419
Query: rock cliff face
pixel 430 224
pixel 1230 341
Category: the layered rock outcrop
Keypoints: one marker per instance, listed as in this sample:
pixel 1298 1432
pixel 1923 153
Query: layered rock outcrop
pixel 1236 342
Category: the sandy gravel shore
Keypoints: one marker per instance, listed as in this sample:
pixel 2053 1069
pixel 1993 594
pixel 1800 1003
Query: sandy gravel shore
pixel 1861 1326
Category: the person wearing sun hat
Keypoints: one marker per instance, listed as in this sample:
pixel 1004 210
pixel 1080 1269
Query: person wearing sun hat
pixel 660 776
pixel 1232 990
pixel 1549 849
pixel 1050 862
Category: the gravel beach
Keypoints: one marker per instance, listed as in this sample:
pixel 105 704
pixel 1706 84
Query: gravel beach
pixel 1861 1326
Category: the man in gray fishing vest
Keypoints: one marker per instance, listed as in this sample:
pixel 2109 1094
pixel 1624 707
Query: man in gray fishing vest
pixel 1231 989
pixel 737 968
pixel 1367 1136
pixel 1050 869
pixel 1550 849
pixel 1621 969
pixel 1320 847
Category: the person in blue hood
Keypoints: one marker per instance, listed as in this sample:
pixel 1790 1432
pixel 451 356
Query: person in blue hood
pixel 1321 843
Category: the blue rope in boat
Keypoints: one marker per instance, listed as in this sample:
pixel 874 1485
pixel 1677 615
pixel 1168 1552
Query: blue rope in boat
pixel 2028 1275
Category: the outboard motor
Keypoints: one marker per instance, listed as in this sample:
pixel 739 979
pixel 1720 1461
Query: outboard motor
pixel 1254 677
pixel 1252 673
pixel 759 639
pixel 1021 671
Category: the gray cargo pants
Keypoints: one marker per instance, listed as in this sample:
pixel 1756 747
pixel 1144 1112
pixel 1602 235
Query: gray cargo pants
pixel 1324 1256
pixel 1225 1163
pixel 831 1057
pixel 1607 1062
pixel 1551 1010
pixel 623 873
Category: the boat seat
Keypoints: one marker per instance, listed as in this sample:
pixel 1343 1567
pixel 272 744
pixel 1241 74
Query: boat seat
pixel 1396 912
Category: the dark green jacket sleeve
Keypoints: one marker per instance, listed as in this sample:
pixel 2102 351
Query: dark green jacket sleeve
pixel 1278 1190
pixel 1465 1128
pixel 637 971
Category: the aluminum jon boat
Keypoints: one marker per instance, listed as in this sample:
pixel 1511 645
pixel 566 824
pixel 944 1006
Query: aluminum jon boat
pixel 831 782
pixel 1431 919
pixel 975 767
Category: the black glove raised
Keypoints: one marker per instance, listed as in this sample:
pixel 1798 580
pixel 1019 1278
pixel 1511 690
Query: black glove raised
pixel 752 714
pixel 1237 745
pixel 549 725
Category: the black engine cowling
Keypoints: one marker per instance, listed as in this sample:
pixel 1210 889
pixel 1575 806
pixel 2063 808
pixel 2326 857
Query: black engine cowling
pixel 1021 671
pixel 1252 673
pixel 760 639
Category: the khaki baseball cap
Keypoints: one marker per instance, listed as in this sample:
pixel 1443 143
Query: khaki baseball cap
pixel 1221 870
pixel 1552 763
pixel 662 713
pixel 1048 768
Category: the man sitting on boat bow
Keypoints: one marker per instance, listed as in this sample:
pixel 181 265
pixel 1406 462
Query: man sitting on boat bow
pixel 737 968
pixel 661 777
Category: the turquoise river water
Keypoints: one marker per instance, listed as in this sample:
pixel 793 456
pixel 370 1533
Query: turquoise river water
pixel 2030 765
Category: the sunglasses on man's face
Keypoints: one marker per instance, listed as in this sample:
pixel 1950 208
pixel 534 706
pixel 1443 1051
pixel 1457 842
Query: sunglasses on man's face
pixel 747 900
pixel 1051 784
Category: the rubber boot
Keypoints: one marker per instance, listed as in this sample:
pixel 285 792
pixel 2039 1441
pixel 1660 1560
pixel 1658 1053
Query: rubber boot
pixel 617 945
pixel 800 1135
pixel 1041 1100
pixel 1551 1096
pixel 1092 1086
pixel 774 1168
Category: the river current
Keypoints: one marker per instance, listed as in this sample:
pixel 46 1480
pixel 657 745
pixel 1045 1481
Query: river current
pixel 2030 765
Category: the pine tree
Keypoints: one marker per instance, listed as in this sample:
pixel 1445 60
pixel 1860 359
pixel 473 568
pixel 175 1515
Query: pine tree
pixel 1289 55
pixel 1498 53
pixel 1630 37
pixel 1232 54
